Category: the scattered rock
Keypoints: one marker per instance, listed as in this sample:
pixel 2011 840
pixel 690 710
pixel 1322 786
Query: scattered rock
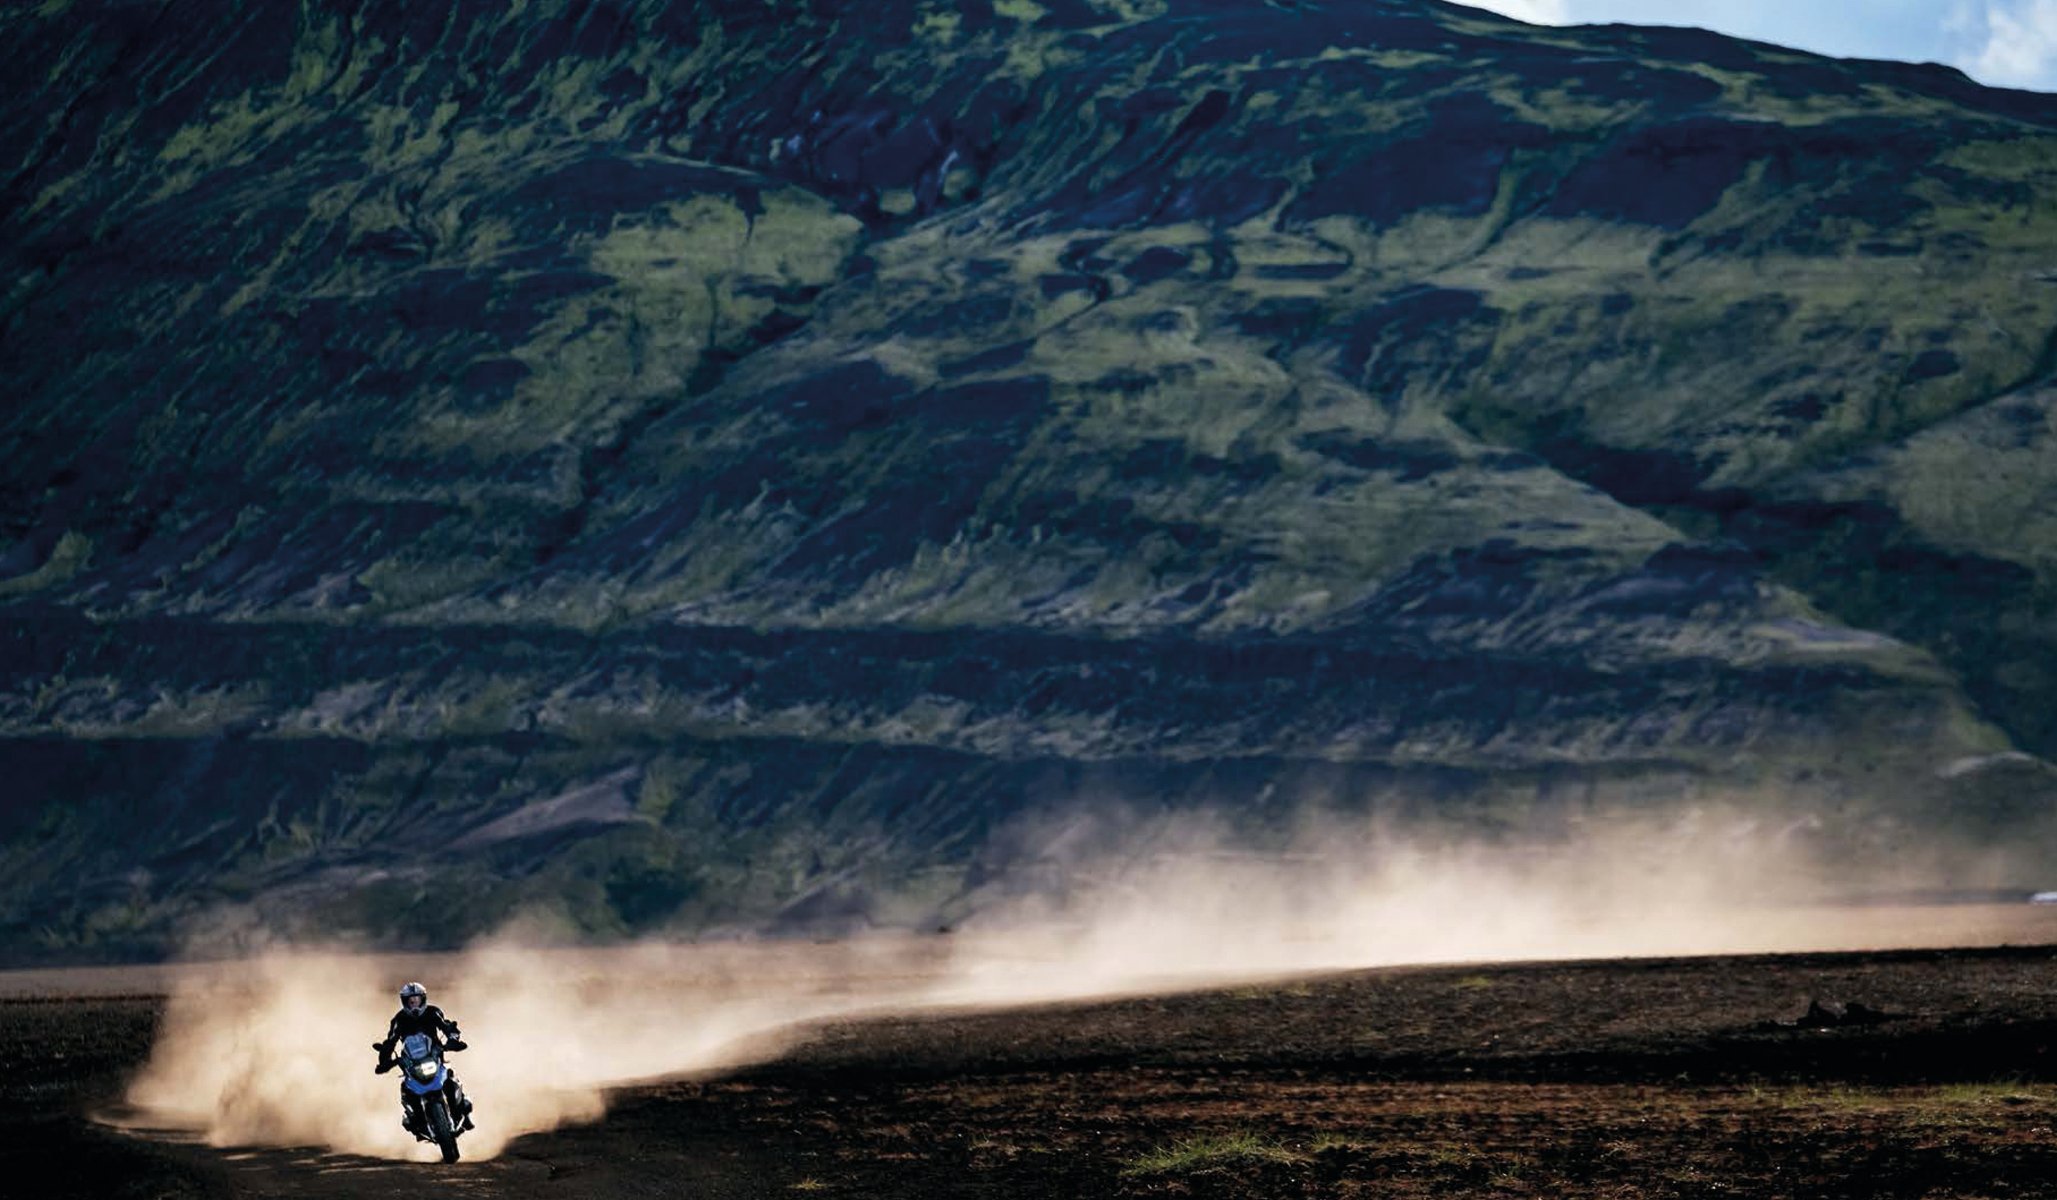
pixel 1832 1015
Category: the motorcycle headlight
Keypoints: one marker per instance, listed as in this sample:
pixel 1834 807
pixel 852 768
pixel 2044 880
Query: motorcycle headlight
pixel 427 1070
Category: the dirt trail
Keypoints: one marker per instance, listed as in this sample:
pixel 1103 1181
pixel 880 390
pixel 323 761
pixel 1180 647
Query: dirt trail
pixel 1677 1077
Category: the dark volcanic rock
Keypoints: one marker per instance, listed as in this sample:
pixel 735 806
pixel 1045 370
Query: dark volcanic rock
pixel 718 463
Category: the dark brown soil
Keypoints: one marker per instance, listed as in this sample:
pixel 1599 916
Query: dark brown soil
pixel 1620 1079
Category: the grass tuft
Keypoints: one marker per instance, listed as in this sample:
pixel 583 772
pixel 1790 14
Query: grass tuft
pixel 1998 1091
pixel 1198 1153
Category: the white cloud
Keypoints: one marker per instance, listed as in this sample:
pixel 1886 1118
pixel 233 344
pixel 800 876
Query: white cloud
pixel 1540 12
pixel 2006 43
pixel 2019 46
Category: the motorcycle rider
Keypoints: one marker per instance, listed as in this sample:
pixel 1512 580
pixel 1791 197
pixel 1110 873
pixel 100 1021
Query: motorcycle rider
pixel 417 1015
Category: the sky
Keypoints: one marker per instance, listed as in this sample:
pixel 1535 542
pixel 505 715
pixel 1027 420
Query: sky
pixel 2005 43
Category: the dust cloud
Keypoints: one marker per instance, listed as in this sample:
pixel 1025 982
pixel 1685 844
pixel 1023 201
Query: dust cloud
pixel 275 1049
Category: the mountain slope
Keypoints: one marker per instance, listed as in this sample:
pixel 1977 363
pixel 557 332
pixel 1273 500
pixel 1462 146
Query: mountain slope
pixel 676 464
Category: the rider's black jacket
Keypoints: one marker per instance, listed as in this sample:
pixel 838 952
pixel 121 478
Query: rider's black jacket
pixel 427 1019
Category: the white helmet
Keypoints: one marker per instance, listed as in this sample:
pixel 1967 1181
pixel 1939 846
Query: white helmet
pixel 410 990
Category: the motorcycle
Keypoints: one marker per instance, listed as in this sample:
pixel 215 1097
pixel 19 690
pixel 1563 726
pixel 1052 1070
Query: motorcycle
pixel 437 1109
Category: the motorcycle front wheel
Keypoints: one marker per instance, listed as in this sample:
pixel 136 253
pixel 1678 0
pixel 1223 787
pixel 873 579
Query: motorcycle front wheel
pixel 439 1125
